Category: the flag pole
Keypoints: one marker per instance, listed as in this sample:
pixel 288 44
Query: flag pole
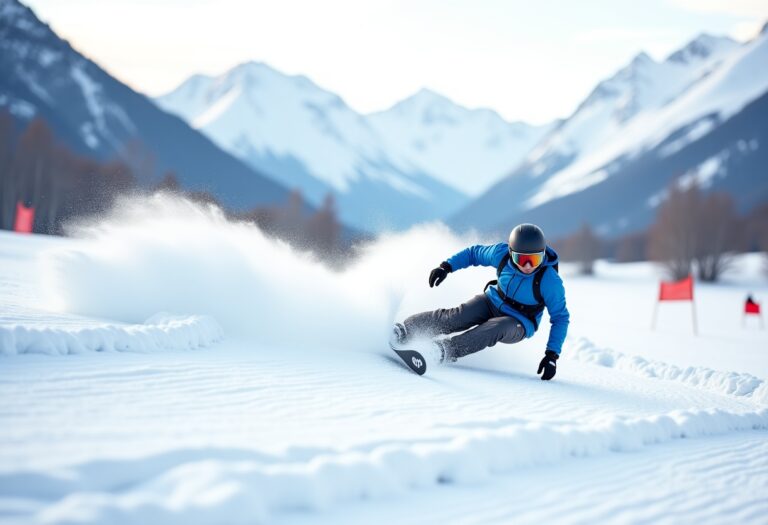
pixel 693 316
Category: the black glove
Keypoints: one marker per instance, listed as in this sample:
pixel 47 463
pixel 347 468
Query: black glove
pixel 549 365
pixel 439 274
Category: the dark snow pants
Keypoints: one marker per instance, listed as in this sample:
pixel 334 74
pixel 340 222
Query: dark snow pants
pixel 485 326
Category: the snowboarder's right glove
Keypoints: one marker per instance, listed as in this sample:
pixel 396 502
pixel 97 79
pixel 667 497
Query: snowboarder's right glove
pixel 549 365
pixel 439 274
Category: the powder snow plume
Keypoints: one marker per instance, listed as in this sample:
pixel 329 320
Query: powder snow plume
pixel 166 254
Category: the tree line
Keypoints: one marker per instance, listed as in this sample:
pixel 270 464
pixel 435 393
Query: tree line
pixel 36 171
pixel 39 172
pixel 293 221
pixel 694 232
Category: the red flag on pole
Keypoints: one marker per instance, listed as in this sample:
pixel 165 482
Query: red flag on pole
pixel 676 291
pixel 25 219
pixel 751 307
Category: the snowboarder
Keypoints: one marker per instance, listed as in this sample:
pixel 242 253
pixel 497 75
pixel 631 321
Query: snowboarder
pixel 510 308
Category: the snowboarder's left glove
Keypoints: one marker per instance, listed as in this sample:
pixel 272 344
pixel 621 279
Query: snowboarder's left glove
pixel 439 274
pixel 549 365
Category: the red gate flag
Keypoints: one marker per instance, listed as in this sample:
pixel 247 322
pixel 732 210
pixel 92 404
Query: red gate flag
pixel 25 219
pixel 751 307
pixel 676 291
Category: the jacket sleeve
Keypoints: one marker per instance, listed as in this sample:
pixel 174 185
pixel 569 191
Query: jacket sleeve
pixel 478 255
pixel 553 292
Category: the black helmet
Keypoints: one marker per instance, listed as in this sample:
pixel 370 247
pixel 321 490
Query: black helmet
pixel 527 238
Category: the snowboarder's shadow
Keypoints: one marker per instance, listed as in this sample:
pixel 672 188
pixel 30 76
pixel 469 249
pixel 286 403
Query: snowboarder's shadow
pixel 468 368
pixel 562 384
pixel 559 382
pixel 504 374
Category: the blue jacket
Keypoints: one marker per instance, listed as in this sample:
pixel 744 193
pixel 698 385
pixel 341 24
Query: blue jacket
pixel 519 286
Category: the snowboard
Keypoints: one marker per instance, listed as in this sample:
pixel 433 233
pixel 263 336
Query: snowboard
pixel 413 360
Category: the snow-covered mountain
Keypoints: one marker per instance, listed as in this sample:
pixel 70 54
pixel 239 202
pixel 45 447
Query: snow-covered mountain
pixel 309 138
pixel 41 75
pixel 419 160
pixel 469 149
pixel 633 123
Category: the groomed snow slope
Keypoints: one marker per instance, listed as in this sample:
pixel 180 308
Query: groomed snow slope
pixel 299 414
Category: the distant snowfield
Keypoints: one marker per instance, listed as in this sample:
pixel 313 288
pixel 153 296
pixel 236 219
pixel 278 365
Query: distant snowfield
pixel 188 370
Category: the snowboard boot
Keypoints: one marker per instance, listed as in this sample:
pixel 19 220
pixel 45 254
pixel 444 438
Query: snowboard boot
pixel 399 334
pixel 444 351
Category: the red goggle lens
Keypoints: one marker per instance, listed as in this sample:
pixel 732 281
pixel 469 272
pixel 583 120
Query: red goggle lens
pixel 521 259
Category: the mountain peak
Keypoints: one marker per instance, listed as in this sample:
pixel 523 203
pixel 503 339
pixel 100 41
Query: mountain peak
pixel 642 58
pixel 638 64
pixel 426 96
pixel 252 65
pixel 701 47
pixel 198 78
pixel 16 16
pixel 11 8
pixel 250 69
pixel 615 85
pixel 425 104
pixel 254 73
pixel 426 92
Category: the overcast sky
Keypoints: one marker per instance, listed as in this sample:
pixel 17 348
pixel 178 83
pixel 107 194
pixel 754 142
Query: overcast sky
pixel 529 60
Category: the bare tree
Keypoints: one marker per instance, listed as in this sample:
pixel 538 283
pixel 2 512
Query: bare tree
pixel 169 183
pixel 716 235
pixel 694 230
pixel 7 182
pixel 632 247
pixel 319 232
pixel 755 226
pixel 52 190
pixel 672 238
pixel 584 248
pixel 204 197
pixel 55 181
pixel 139 159
pixel 31 166
pixel 323 229
pixel 290 221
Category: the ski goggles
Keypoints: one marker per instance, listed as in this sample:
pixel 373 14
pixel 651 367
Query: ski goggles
pixel 521 259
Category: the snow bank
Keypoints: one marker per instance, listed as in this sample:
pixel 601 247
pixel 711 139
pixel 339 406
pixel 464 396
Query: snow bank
pixel 250 490
pixel 729 383
pixel 167 254
pixel 160 332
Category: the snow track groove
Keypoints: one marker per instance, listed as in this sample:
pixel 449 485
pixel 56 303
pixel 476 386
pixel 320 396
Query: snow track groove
pixel 281 484
pixel 728 383
pixel 160 332
pixel 675 483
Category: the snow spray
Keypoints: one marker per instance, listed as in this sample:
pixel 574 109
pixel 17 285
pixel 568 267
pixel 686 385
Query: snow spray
pixel 167 254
